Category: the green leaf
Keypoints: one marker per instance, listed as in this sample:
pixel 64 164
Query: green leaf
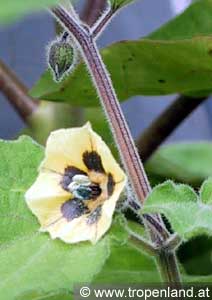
pixel 206 192
pixel 187 214
pixel 117 4
pixel 35 262
pixel 193 22
pixel 127 264
pixel 175 59
pixel 31 260
pixel 13 9
pixel 18 170
pixel 184 162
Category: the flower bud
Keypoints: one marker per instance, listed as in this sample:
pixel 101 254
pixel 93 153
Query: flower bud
pixel 60 58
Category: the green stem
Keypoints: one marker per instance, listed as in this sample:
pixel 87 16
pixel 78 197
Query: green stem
pixel 140 243
pixel 173 242
pixel 168 267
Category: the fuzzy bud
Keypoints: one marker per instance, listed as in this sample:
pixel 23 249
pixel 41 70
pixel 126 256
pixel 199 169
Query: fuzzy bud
pixel 60 58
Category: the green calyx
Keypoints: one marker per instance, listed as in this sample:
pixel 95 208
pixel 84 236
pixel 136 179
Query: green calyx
pixel 60 58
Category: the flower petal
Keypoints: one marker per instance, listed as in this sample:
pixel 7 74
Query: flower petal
pixel 108 161
pixel 45 197
pixel 65 148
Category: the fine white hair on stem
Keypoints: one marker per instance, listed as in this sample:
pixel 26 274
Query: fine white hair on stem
pixel 69 8
pixel 131 197
pixel 100 21
pixel 106 17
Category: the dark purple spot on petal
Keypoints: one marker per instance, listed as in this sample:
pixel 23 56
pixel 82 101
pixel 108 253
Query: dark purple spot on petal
pixel 110 184
pixel 93 161
pixel 73 209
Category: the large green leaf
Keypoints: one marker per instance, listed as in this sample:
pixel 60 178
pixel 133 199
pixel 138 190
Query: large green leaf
pixel 193 22
pixel 184 162
pixel 35 262
pixel 18 169
pixel 30 262
pixel 12 9
pixel 128 265
pixel 175 59
pixel 188 215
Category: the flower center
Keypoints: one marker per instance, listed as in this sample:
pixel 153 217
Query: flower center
pixel 82 188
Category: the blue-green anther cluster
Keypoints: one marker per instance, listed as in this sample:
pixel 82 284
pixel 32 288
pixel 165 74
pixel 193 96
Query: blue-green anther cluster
pixel 83 192
pixel 61 57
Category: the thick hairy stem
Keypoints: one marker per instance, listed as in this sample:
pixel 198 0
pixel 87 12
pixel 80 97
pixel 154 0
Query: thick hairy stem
pixel 16 92
pixel 104 87
pixel 91 15
pixel 165 124
pixel 168 267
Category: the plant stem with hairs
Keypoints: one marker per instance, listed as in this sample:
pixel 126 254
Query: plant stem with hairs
pixel 130 157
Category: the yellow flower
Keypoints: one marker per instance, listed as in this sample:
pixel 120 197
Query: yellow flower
pixel 79 183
